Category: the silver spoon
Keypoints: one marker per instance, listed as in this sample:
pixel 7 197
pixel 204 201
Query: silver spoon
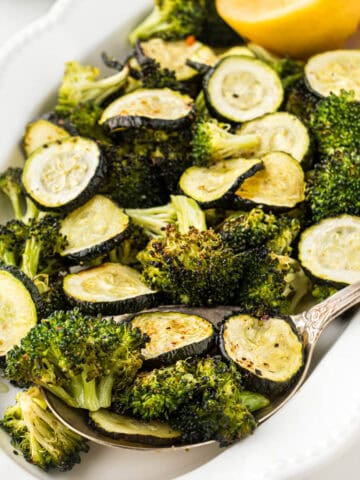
pixel 309 324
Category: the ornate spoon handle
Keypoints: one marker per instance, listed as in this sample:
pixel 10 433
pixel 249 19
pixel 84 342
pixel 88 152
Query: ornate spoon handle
pixel 312 322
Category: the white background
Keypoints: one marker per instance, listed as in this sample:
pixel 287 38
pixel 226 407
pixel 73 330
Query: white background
pixel 14 15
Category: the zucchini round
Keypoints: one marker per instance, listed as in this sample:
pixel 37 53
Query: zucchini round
pixel 41 132
pixel 173 336
pixel 64 174
pixel 20 305
pixel 241 88
pixel 280 185
pixel 158 108
pixel 133 430
pixel 215 186
pixel 110 289
pixel 279 132
pixel 173 55
pixel 330 250
pixel 333 71
pixel 241 50
pixel 94 229
pixel 269 351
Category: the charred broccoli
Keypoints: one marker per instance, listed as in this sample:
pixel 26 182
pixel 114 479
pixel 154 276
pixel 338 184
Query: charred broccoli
pixel 212 142
pixel 272 284
pixel 10 185
pixel 39 435
pixel 322 292
pixel 301 102
pixel 77 358
pixel 84 119
pixel 171 20
pixel 8 246
pixel 246 230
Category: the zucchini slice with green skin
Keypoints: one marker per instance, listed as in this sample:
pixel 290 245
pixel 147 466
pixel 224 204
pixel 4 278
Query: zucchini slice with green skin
pixel 158 108
pixel 279 132
pixel 94 229
pixel 40 133
pixel 133 430
pixel 269 351
pixel 109 289
pixel 215 186
pixel 241 88
pixel 20 307
pixel 173 55
pixel 173 336
pixel 330 250
pixel 333 71
pixel 241 50
pixel 281 185
pixel 64 174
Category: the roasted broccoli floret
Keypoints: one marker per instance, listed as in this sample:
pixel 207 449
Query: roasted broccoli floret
pixel 171 20
pixel 81 85
pixel 194 268
pixel 41 438
pixel 333 187
pixel 215 31
pixel 272 284
pixel 301 102
pixel 126 253
pixel 8 246
pixel 246 230
pixel 10 185
pixel 52 292
pixel 77 358
pixel 212 142
pixel 336 124
pixel 85 120
pixel 322 292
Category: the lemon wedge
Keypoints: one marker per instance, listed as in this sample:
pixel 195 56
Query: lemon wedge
pixel 298 28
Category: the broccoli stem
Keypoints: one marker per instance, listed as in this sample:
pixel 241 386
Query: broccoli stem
pixel 151 25
pixel 15 200
pixel 31 257
pixel 153 220
pixel 189 214
pixel 253 401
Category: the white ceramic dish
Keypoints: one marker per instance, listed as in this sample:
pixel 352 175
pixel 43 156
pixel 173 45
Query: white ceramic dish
pixel 312 428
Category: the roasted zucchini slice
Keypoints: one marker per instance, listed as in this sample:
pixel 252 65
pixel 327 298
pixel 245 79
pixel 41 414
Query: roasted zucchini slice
pixel 279 132
pixel 240 88
pixel 330 250
pixel 241 50
pixel 280 185
pixel 41 132
pixel 158 108
pixel 173 55
pixel 269 351
pixel 64 174
pixel 94 229
pixel 133 430
pixel 173 336
pixel 215 186
pixel 110 289
pixel 20 306
pixel 333 71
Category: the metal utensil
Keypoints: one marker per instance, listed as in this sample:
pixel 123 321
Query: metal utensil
pixel 309 324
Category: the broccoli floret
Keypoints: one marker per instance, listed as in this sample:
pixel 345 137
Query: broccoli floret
pixel 10 185
pixel 194 268
pixel 8 246
pixel 272 284
pixel 300 102
pixel 85 119
pixel 81 85
pixel 336 124
pixel 41 438
pixel 246 230
pixel 322 292
pixel 171 20
pixel 212 142
pixel 77 358
pixel 126 253
pixel 333 187
pixel 52 292
pixel 215 31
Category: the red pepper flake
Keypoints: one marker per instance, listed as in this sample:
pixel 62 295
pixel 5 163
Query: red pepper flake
pixel 190 40
pixel 26 357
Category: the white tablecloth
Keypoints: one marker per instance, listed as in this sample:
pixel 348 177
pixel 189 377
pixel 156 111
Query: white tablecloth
pixel 14 15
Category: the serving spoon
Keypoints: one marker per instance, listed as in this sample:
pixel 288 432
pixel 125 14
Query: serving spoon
pixel 309 324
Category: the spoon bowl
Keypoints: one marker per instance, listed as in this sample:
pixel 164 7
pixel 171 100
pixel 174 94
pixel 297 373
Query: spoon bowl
pixel 309 324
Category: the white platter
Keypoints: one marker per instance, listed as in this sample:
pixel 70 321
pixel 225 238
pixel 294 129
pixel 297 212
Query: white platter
pixel 323 417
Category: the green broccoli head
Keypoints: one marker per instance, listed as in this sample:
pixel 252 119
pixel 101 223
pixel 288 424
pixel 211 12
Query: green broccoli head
pixel 333 187
pixel 85 120
pixel 8 246
pixel 52 292
pixel 126 253
pixel 301 102
pixel 11 186
pixel 41 438
pixel 171 20
pixel 246 230
pixel 212 142
pixel 335 124
pixel 77 358
pixel 322 292
pixel 272 284
pixel 81 85
pixel 194 268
